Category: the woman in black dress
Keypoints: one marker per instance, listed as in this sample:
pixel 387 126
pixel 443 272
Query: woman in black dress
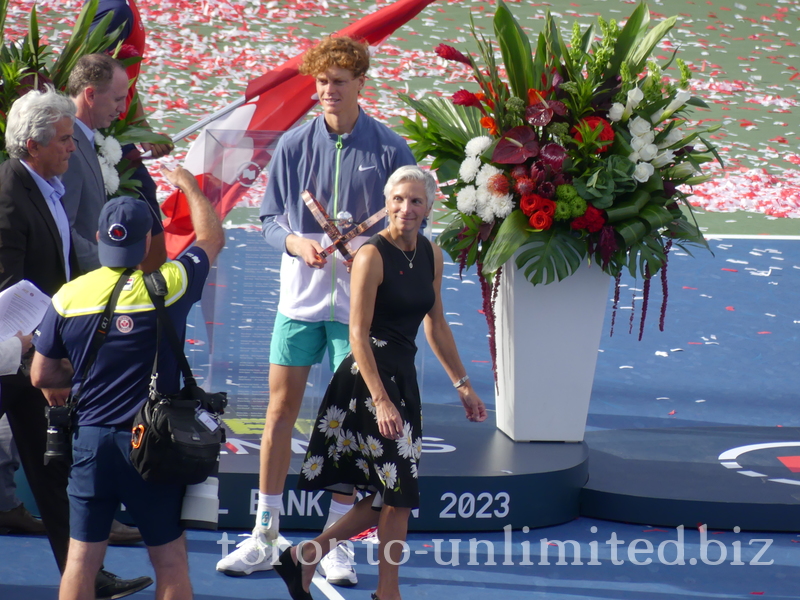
pixel 368 433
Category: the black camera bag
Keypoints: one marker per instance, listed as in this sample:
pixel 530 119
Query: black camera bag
pixel 176 438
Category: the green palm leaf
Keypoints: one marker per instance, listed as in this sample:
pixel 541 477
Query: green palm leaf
pixel 516 50
pixel 458 123
pixel 551 256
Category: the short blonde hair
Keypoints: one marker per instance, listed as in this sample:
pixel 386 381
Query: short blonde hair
pixel 342 52
pixel 412 173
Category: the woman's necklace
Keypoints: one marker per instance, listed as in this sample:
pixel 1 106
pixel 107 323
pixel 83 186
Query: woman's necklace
pixel 413 256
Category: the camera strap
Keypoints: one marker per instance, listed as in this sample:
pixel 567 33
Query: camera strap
pixel 103 326
pixel 157 289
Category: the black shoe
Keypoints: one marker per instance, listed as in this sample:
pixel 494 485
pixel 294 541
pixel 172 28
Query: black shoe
pixel 19 520
pixel 292 574
pixel 108 586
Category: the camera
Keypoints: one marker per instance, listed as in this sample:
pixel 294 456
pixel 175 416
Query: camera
pixel 213 402
pixel 59 434
pixel 200 508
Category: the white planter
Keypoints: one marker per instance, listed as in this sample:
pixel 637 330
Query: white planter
pixel 547 340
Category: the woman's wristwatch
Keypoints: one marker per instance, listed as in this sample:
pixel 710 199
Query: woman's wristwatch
pixel 461 381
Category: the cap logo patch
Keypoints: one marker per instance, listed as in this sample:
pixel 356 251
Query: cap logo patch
pixel 117 232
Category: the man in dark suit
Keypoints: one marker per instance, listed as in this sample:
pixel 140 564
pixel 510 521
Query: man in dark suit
pixel 35 245
pixel 98 86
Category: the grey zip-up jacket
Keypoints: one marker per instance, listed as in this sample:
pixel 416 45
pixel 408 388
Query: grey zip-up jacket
pixel 344 173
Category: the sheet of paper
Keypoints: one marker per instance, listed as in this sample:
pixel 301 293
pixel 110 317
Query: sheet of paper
pixel 22 308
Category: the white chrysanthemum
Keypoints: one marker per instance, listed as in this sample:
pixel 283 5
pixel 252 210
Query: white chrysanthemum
pixel 616 112
pixel 485 174
pixel 370 404
pixel 478 145
pixel 331 423
pixel 352 406
pixel 648 152
pixel 379 343
pixel 486 212
pixel 417 448
pixel 388 474
pixel 354 368
pixel 639 127
pixel 99 138
pixel 112 150
pixel 346 443
pixel 469 169
pixel 414 471
pixel 502 206
pixel 643 171
pixel 110 177
pixel 466 200
pixel 363 465
pixel 663 159
pixel 313 467
pixel 375 446
pixel 405 445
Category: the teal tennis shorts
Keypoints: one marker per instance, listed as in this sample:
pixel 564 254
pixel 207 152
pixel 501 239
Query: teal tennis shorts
pixel 303 343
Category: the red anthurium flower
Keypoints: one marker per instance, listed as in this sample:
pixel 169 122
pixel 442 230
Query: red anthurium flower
pixel 516 146
pixel 450 53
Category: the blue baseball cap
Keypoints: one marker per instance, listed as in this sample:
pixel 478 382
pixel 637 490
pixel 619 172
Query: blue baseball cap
pixel 123 227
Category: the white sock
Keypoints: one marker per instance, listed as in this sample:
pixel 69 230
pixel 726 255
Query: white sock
pixel 268 515
pixel 336 512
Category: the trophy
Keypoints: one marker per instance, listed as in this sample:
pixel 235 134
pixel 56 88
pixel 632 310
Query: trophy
pixel 343 219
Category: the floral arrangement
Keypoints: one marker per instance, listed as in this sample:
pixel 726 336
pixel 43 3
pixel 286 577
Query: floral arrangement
pixel 578 154
pixel 26 65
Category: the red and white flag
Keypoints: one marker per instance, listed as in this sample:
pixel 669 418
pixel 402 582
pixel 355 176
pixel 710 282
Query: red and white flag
pixel 230 153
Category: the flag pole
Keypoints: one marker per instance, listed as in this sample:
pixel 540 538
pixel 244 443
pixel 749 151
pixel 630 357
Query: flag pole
pixel 209 119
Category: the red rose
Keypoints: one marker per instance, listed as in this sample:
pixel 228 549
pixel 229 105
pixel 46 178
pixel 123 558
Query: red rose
pixel 546 206
pixel 539 220
pixel 528 203
pixel 606 134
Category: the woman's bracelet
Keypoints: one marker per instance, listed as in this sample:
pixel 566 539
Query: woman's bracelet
pixel 461 381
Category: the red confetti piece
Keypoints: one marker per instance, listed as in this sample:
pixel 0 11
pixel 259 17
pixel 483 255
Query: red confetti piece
pixel 731 270
pixel 672 412
pixel 764 332
pixel 686 287
pixel 696 343
pixel 730 308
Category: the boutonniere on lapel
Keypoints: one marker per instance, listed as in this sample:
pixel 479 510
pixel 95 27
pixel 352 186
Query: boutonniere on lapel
pixel 109 153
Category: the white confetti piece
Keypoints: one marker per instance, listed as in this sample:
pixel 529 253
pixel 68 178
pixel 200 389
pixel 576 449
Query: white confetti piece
pixel 660 353
pixel 626 367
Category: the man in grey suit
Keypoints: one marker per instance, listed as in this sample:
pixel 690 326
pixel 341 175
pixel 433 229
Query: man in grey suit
pixel 98 86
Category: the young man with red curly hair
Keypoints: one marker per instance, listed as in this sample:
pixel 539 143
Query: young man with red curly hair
pixel 343 157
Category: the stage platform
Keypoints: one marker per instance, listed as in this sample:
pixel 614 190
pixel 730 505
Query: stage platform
pixel 724 477
pixel 472 478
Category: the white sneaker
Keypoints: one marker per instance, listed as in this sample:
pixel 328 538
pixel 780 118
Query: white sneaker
pixel 253 554
pixel 337 566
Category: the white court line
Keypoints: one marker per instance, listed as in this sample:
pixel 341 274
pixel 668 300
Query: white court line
pixel 319 581
pixel 738 236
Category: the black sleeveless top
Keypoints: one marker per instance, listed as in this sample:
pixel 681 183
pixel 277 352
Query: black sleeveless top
pixel 406 294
